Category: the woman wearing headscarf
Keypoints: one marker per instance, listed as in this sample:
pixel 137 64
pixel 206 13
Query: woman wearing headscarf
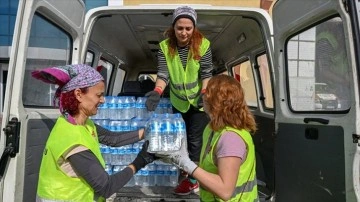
pixel 185 64
pixel 72 167
pixel 227 162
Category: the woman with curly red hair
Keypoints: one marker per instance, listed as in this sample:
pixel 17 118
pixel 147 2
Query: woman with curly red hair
pixel 227 163
pixel 185 64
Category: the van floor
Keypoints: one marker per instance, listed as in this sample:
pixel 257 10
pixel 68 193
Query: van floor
pixel 161 194
pixel 150 194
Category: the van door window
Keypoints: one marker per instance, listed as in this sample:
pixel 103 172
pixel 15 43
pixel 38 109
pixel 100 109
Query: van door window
pixel 318 68
pixel 118 83
pixel 243 73
pixel 105 68
pixel 266 84
pixel 48 46
pixel 89 58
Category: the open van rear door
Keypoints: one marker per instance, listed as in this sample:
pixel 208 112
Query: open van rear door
pixel 317 100
pixel 47 33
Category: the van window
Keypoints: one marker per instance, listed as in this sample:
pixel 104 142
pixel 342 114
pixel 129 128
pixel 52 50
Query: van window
pixel 48 46
pixel 318 68
pixel 147 76
pixel 266 85
pixel 243 73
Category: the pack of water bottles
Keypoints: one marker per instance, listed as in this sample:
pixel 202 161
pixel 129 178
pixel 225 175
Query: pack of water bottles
pixel 154 174
pixel 125 113
pixel 164 132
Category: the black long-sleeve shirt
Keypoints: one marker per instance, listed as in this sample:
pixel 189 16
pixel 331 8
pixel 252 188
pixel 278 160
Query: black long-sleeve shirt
pixel 86 164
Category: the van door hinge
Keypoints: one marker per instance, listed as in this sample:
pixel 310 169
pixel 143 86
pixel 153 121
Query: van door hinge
pixel 12 133
pixel 356 138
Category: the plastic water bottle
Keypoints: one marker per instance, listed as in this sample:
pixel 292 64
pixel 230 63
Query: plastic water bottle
pixel 112 107
pixel 167 173
pixel 113 154
pixel 135 151
pixel 132 102
pixel 120 156
pixel 106 154
pixel 127 155
pixel 153 132
pixel 167 133
pixel 137 178
pixel 102 112
pixel 141 111
pixel 125 125
pixel 129 107
pixel 173 179
pixel 113 125
pixel 168 106
pixel 152 174
pixel 180 130
pixel 120 107
pixel 103 123
pixel 160 172
pixel 145 176
pixel 134 124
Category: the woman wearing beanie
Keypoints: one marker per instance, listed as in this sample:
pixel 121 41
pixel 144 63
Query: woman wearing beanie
pixel 185 64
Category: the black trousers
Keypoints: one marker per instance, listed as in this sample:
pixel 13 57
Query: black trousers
pixel 196 122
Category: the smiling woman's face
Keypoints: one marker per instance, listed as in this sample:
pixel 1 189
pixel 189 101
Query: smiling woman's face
pixel 184 29
pixel 90 100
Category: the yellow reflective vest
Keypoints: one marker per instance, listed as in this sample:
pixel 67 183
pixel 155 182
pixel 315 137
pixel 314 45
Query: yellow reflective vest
pixel 185 85
pixel 53 183
pixel 246 186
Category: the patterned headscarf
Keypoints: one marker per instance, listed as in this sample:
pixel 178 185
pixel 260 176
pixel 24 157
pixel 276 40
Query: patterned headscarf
pixel 68 78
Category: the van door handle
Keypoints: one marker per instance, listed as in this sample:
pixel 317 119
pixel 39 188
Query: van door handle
pixel 319 120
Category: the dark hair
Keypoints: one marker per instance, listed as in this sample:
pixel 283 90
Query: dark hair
pixel 69 102
pixel 195 42
pixel 224 98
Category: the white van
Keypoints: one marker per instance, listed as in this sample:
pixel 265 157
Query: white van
pixel 304 152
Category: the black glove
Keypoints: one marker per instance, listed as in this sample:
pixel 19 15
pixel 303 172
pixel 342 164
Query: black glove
pixel 200 101
pixel 152 101
pixel 143 158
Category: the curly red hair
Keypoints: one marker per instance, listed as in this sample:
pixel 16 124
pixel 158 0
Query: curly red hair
pixel 69 102
pixel 195 42
pixel 226 105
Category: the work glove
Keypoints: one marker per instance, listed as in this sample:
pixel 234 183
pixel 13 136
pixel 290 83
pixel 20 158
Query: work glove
pixel 144 157
pixel 179 158
pixel 153 100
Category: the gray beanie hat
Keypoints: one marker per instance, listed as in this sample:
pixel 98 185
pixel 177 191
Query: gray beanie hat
pixel 184 12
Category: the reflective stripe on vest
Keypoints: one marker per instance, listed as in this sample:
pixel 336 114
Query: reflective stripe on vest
pixel 184 84
pixel 183 97
pixel 246 184
pixel 54 184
